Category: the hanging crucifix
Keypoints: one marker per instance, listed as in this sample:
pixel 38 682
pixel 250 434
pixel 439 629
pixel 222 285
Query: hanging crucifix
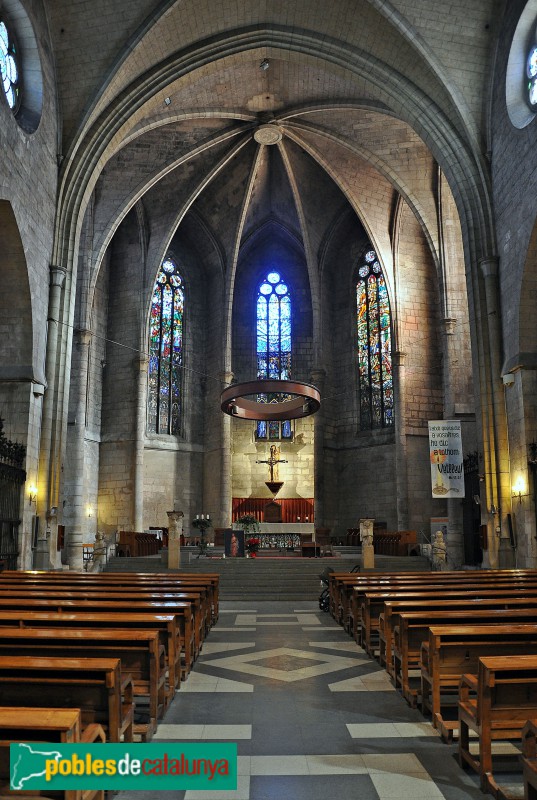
pixel 273 461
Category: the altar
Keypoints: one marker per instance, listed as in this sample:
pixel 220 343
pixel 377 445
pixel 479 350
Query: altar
pixel 281 535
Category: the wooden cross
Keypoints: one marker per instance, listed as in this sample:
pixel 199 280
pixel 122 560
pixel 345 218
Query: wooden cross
pixel 273 461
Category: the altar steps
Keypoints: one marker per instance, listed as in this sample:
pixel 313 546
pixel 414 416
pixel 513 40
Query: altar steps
pixel 285 578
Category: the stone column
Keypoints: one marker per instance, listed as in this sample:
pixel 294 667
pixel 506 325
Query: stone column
pixel 225 461
pixel 175 529
pixel 138 495
pixel 318 378
pixel 497 482
pixel 455 535
pixel 47 496
pixel 78 532
pixel 401 456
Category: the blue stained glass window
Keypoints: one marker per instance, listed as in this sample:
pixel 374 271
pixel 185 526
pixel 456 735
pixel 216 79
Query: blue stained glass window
pixel 373 321
pixel 9 69
pixel 273 346
pixel 530 74
pixel 166 351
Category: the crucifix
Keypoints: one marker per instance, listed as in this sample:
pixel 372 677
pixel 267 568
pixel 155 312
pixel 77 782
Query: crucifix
pixel 273 461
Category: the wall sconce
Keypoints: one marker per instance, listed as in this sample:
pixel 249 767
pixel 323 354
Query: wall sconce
pixel 90 511
pixel 519 488
pixel 32 493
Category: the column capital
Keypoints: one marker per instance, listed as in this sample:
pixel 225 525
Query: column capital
pixel 226 376
pixel 57 275
pixel 449 325
pixel 398 358
pixel 84 336
pixel 489 266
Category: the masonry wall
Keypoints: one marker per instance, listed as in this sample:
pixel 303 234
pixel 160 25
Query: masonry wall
pixel 28 183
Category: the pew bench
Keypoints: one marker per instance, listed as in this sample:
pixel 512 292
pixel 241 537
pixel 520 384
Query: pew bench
pixel 141 653
pixel 181 610
pixel 529 759
pixel 412 631
pixel 165 624
pixel 451 651
pixel 495 704
pixel 54 725
pixel 95 685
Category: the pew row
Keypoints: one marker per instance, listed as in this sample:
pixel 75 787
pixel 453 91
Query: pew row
pixel 95 685
pixel 54 725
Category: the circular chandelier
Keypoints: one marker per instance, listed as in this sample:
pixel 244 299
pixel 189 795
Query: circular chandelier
pixel 305 400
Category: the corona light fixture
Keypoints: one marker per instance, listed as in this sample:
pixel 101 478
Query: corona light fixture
pixel 305 400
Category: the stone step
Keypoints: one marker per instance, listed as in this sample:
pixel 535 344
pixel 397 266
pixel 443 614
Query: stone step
pixel 266 578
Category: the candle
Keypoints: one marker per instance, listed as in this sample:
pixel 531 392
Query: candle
pixel 202 516
pixel 197 516
pixel 298 519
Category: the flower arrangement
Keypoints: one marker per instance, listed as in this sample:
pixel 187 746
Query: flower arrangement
pixel 248 523
pixel 252 545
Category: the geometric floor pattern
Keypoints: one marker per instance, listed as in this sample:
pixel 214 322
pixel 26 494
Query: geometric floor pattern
pixel 313 717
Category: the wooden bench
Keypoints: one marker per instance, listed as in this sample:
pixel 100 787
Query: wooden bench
pixel 453 650
pixel 54 725
pixel 495 704
pixel 166 624
pixel 479 600
pixel 376 607
pixel 114 580
pixel 95 685
pixel 181 610
pixel 412 631
pixel 141 653
pixel 529 759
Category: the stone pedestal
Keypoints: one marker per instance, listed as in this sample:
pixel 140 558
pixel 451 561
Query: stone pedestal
pixel 366 538
pixel 175 529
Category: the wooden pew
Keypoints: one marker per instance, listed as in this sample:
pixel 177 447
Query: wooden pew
pixel 342 583
pixel 488 599
pixel 375 623
pixel 495 705
pixel 182 611
pixel 166 624
pixel 90 599
pixel 529 759
pixel 95 685
pixel 412 631
pixel 452 650
pixel 54 725
pixel 140 651
pixel 117 580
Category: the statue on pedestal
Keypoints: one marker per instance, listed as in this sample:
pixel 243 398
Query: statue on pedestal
pixel 439 551
pixel 366 538
pixel 175 529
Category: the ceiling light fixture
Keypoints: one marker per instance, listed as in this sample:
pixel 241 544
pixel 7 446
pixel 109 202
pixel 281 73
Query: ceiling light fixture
pixel 305 400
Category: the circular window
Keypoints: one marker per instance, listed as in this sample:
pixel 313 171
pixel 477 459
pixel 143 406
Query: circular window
pixel 9 67
pixel 20 66
pixel 521 75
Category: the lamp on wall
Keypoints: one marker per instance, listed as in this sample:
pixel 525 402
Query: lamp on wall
pixel 32 493
pixel 519 488
pixel 90 511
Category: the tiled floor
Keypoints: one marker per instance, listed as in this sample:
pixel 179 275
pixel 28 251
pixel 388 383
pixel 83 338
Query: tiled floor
pixel 314 718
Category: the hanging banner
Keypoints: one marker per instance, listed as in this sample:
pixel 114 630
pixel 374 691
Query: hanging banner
pixel 445 448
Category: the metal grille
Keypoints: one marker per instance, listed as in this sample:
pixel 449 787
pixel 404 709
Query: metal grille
pixel 12 477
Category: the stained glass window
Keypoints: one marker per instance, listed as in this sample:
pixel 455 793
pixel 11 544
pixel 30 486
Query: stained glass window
pixel 166 351
pixel 530 78
pixel 273 314
pixel 9 67
pixel 374 345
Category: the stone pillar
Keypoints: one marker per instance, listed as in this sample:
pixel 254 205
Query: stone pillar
pixel 497 481
pixel 78 530
pixel 47 495
pixel 318 378
pixel 455 535
pixel 401 456
pixel 175 529
pixel 366 538
pixel 138 495
pixel 225 461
